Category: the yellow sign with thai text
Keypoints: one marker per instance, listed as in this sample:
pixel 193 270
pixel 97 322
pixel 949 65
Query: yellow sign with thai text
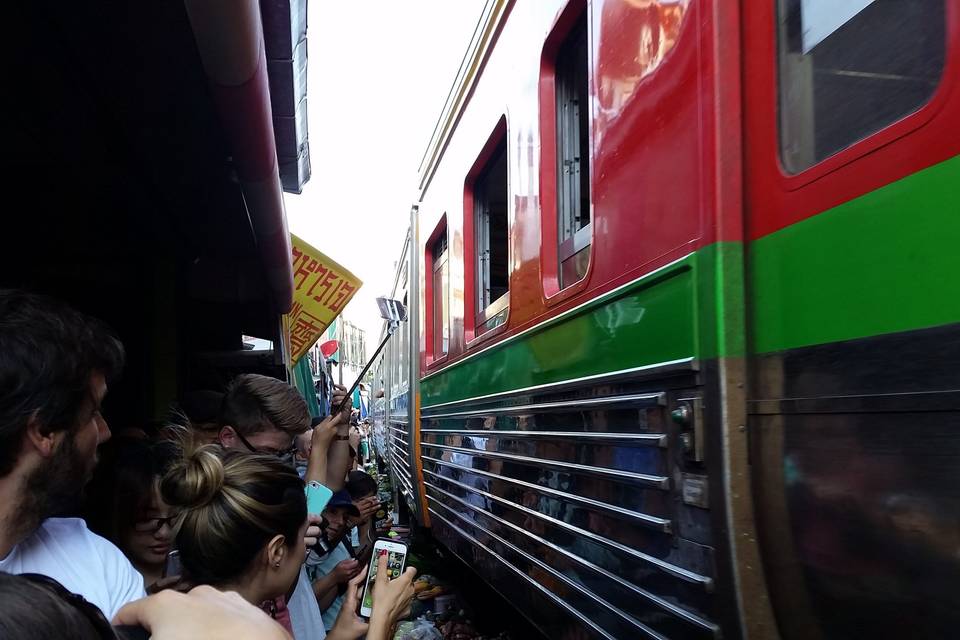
pixel 321 289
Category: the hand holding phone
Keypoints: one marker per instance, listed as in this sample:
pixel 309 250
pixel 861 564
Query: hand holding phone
pixel 391 600
pixel 368 507
pixel 348 623
pixel 389 560
pixel 346 570
pixel 314 529
pixel 342 399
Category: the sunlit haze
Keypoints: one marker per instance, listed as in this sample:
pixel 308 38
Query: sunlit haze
pixel 378 75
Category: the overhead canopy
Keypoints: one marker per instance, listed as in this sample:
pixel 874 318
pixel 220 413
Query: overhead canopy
pixel 285 36
pixel 144 201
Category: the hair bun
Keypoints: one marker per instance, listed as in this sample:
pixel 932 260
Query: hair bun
pixel 196 480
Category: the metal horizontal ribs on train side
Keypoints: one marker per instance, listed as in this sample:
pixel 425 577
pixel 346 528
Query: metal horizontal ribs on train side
pixel 568 491
pixel 398 437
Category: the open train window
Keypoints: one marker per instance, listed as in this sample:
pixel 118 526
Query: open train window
pixel 849 68
pixel 573 154
pixel 491 240
pixel 439 294
pixel 404 347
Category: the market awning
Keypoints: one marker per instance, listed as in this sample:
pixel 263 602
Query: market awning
pixel 230 38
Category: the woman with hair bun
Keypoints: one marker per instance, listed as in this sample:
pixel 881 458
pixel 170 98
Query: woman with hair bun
pixel 241 527
pixel 242 521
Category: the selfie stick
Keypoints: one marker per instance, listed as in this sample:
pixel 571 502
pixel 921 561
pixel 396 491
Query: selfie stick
pixel 393 312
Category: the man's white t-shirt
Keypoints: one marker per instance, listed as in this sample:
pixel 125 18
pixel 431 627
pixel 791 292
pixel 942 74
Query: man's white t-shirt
pixel 83 562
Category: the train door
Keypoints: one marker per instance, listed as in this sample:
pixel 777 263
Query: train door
pixel 852 159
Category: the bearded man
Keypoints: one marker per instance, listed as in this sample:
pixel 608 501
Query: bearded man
pixel 55 365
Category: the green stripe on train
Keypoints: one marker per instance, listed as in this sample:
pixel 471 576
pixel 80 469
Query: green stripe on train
pixel 649 321
pixel 888 261
pixel 883 263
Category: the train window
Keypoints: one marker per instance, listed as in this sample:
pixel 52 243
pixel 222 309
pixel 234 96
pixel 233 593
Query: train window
pixel 573 154
pixel 404 354
pixel 849 68
pixel 406 350
pixel 491 238
pixel 440 292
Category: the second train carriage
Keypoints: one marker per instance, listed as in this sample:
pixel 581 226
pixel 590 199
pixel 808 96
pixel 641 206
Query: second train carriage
pixel 685 350
pixel 393 396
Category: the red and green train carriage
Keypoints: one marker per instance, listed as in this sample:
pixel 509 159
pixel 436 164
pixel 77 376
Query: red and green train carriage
pixel 684 359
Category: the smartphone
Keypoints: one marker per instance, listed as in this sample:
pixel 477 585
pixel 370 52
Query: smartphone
pixel 317 498
pixel 396 553
pixel 172 566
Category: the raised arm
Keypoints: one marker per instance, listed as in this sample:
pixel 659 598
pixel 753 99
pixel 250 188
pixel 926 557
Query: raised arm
pixel 338 456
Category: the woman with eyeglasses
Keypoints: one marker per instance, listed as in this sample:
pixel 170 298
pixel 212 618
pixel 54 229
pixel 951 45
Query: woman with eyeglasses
pixel 125 505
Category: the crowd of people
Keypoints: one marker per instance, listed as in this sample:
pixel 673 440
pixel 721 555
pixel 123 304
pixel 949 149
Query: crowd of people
pixel 244 518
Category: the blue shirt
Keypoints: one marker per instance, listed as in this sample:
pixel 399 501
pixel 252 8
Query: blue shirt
pixel 325 566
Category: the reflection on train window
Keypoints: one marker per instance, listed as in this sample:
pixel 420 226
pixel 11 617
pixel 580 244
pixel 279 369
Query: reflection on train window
pixel 849 68
pixel 490 215
pixel 441 294
pixel 573 155
pixel 406 356
pixel 404 348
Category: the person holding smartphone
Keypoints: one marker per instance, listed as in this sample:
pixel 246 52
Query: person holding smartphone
pixel 348 511
pixel 242 525
pixel 331 571
pixel 363 491
pixel 391 558
pixel 390 601
pixel 260 414
pixel 125 507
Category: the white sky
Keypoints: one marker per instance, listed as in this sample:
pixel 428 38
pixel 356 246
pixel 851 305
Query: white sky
pixel 378 74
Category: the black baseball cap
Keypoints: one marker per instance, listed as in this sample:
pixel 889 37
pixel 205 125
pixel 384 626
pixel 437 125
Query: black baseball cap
pixel 341 499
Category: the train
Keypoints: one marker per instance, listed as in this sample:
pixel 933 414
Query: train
pixel 683 350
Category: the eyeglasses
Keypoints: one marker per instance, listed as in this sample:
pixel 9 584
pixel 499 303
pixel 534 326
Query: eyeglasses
pixel 285 456
pixel 153 525
pixel 89 610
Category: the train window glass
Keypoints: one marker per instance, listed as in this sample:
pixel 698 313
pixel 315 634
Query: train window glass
pixel 391 366
pixel 395 364
pixel 441 294
pixel 573 154
pixel 401 336
pixel 404 342
pixel 491 238
pixel 849 68
pixel 405 357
